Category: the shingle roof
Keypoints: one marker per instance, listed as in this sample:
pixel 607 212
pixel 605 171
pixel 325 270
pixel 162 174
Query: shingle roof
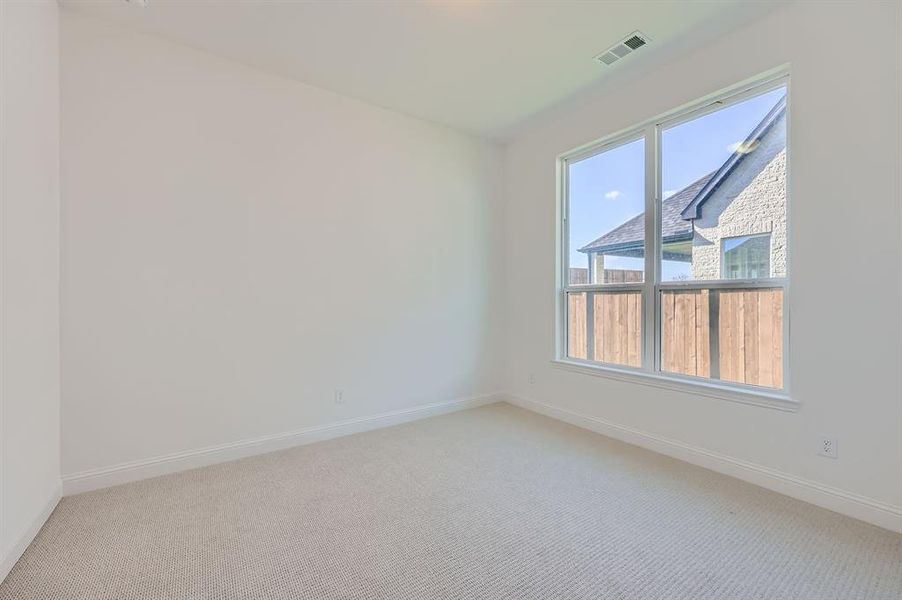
pixel 631 234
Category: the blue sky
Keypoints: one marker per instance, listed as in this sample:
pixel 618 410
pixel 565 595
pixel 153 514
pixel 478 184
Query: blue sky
pixel 609 188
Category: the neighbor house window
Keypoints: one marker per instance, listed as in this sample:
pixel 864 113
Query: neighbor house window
pixel 746 257
pixel 674 237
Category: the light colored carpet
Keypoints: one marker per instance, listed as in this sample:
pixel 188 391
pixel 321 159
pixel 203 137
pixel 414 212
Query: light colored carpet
pixel 490 503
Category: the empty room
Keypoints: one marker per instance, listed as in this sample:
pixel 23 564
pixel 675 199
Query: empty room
pixel 450 299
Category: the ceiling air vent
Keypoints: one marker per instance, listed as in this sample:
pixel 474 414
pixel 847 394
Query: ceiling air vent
pixel 632 42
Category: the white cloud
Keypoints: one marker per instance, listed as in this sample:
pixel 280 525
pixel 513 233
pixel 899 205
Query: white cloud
pixel 669 193
pixel 612 195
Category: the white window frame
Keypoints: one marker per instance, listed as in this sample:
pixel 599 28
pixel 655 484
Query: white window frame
pixel 650 372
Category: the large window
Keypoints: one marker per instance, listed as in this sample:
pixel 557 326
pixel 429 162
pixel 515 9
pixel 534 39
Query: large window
pixel 674 258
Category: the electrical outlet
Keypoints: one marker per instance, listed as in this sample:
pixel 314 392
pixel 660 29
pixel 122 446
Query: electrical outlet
pixel 339 396
pixel 828 446
pixel 532 379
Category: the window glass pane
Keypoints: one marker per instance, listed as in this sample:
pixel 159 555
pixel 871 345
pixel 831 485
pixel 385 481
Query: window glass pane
pixel 724 188
pixel 605 327
pixel 728 334
pixel 606 220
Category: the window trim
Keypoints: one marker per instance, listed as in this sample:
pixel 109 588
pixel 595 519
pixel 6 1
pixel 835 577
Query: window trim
pixel 686 384
pixel 650 373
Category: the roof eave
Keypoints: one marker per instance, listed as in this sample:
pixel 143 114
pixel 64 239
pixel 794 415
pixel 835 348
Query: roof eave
pixel 636 245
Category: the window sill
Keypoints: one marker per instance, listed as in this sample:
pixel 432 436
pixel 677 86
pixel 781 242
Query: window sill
pixel 774 400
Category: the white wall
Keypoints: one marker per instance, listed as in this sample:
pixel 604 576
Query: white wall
pixel 29 272
pixel 237 245
pixel 845 245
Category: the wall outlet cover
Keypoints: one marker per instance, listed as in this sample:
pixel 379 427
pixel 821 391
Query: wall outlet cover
pixel 828 446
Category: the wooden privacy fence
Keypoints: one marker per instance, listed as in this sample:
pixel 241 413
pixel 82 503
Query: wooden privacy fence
pixel 728 334
pixel 616 337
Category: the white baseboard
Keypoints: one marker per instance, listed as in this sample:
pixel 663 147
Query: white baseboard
pixel 860 507
pixel 85 481
pixel 10 558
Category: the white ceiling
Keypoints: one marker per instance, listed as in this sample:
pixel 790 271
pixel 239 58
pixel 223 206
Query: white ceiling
pixel 483 66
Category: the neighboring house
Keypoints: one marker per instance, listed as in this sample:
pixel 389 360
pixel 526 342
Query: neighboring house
pixel 729 224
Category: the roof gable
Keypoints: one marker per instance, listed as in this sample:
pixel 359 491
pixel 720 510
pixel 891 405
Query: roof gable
pixel 678 211
pixel 693 208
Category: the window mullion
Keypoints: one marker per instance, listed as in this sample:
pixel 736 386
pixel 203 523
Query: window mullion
pixel 652 185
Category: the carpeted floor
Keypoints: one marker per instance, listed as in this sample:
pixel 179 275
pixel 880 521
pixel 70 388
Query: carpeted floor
pixel 491 503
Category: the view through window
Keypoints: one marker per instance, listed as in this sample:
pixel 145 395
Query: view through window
pixel 713 294
pixel 610 329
